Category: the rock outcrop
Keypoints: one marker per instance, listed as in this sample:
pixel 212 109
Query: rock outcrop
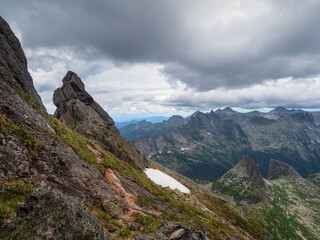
pixel 279 169
pixel 49 214
pixel 246 168
pixel 13 65
pixel 174 231
pixel 77 109
pixel 243 182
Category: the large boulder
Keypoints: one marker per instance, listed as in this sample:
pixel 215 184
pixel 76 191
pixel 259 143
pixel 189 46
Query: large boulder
pixel 49 214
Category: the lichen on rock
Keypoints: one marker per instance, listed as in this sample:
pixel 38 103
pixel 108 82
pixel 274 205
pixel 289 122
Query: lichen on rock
pixel 49 214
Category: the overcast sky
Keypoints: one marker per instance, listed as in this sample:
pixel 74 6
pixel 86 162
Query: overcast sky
pixel 142 57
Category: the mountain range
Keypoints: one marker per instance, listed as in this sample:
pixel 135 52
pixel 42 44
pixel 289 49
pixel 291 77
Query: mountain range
pixel 209 144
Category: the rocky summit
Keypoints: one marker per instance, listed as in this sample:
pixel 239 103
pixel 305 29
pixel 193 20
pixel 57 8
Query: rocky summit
pixel 77 109
pixel 244 182
pixel 279 169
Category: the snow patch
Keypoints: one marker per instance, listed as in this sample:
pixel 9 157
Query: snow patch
pixel 165 180
pixel 183 149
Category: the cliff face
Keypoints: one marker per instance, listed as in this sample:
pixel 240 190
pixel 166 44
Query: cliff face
pixel 77 109
pixel 13 65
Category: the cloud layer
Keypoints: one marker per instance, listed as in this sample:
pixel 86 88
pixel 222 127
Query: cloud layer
pixel 220 48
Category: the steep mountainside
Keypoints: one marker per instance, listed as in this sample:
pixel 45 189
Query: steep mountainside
pixel 204 148
pixel 63 185
pixel 207 146
pixel 243 182
pixel 288 205
pixel 279 169
pixel 145 128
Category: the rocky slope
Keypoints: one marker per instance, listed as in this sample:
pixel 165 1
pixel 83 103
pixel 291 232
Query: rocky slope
pixel 288 205
pixel 84 183
pixel 145 128
pixel 243 182
pixel 207 146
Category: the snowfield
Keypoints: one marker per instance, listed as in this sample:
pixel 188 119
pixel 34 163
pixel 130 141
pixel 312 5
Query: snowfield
pixel 165 180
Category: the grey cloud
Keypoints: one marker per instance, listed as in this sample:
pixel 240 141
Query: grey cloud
pixel 282 41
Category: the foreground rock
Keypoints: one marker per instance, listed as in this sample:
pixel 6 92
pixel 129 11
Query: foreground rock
pixel 77 109
pixel 13 64
pixel 279 169
pixel 174 231
pixel 52 215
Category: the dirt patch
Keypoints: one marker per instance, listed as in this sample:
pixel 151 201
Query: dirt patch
pixel 96 152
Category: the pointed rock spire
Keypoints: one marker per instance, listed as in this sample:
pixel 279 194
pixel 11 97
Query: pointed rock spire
pixel 243 182
pixel 246 167
pixel 279 169
pixel 78 110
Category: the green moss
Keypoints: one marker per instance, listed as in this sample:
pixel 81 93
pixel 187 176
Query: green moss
pixel 144 201
pixel 13 192
pixel 169 216
pixel 149 223
pixel 124 233
pixel 114 202
pixel 33 144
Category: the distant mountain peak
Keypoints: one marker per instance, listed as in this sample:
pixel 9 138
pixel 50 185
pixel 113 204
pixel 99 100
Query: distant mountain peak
pixel 279 169
pixel 244 179
pixel 246 167
pixel 280 109
pixel 228 109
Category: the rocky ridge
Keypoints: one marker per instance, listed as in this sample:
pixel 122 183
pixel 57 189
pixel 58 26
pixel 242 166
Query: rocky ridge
pixel 38 151
pixel 145 128
pixel 206 147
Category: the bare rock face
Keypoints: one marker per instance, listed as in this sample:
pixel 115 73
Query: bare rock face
pixel 174 231
pixel 77 109
pixel 49 214
pixel 279 169
pixel 247 168
pixel 13 64
pixel 245 180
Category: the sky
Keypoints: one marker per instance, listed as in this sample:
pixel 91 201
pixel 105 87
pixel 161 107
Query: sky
pixel 145 58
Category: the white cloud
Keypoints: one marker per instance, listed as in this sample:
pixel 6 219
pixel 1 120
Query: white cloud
pixel 287 92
